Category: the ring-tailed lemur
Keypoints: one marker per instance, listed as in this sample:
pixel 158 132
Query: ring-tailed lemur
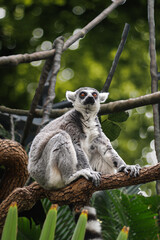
pixel 93 227
pixel 74 145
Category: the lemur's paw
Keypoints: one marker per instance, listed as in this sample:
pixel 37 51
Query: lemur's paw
pixel 89 174
pixel 96 178
pixel 132 170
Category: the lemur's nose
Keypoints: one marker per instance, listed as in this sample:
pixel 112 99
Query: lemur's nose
pixel 89 100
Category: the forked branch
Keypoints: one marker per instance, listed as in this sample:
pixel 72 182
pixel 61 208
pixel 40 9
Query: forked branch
pixel 26 58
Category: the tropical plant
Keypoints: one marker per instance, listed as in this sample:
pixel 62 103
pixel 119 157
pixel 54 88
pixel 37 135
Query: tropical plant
pixel 116 209
pixel 48 230
pixel 10 229
pixel 123 235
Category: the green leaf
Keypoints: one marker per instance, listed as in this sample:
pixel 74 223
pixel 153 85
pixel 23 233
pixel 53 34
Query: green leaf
pixel 123 235
pixel 65 221
pixel 118 117
pixel 65 224
pixel 116 209
pixel 10 226
pixel 27 229
pixel 49 226
pixel 80 229
pixel 46 204
pixel 112 130
pixel 4 132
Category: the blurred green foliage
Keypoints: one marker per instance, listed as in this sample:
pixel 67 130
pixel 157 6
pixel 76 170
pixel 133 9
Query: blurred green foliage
pixel 27 26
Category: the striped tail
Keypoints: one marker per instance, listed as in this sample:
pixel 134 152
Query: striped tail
pixel 93 228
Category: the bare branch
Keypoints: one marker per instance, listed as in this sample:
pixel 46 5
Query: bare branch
pixel 52 81
pixel 116 59
pixel 26 58
pixel 154 76
pixel 92 24
pixel 37 95
pixel 154 81
pixel 19 112
pixel 81 189
pixel 12 127
pixel 108 108
pixel 123 105
pixel 152 46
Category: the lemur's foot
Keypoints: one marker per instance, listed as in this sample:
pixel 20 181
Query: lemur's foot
pixel 96 178
pixel 91 175
pixel 133 170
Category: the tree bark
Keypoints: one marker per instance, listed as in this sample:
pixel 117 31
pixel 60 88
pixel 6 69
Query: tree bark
pixel 14 158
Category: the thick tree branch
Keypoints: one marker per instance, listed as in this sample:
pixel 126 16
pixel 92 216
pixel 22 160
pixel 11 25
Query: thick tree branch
pixel 15 160
pixel 116 59
pixel 81 189
pixel 117 106
pixel 26 58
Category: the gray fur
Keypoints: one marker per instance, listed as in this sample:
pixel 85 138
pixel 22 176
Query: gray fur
pixel 74 145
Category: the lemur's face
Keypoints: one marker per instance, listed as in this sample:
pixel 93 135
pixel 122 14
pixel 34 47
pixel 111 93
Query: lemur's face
pixel 86 99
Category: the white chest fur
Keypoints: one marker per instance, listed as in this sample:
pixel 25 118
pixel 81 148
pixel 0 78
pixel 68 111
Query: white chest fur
pixel 90 129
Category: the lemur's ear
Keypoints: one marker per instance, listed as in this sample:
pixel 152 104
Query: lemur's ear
pixel 103 96
pixel 70 96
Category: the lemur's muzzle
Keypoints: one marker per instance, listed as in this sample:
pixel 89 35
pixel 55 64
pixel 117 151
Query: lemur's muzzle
pixel 89 100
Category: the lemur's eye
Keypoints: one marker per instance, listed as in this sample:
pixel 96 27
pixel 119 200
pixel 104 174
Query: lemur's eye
pixel 94 94
pixel 82 94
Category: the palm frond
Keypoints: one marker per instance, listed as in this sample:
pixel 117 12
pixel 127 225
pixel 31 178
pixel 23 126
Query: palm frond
pixel 116 209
